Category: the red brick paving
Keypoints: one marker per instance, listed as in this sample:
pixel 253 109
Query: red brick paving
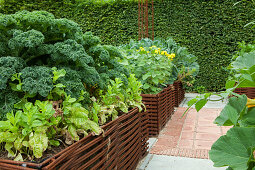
pixel 191 135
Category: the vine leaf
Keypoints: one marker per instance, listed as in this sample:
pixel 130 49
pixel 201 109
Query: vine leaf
pixel 232 111
pixel 235 149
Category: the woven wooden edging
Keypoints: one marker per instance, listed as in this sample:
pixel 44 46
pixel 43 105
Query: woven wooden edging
pixel 121 146
pixel 159 108
pixel 248 91
pixel 179 93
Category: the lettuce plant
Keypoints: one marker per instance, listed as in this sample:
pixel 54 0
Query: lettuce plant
pixel 117 99
pixel 34 127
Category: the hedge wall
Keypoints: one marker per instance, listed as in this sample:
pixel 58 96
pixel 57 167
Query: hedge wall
pixel 210 29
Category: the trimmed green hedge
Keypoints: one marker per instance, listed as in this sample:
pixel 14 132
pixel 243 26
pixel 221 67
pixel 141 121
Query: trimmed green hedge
pixel 210 29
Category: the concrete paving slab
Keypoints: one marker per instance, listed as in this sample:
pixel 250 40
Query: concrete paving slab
pixel 210 104
pixel 144 162
pixel 152 141
pixel 162 162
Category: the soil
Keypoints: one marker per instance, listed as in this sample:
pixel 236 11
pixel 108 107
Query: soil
pixel 46 155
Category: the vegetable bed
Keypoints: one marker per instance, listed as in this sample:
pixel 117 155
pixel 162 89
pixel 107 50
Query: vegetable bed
pixel 159 108
pixel 179 93
pixel 248 91
pixel 121 146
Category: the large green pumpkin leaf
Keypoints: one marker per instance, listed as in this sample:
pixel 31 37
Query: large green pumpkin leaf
pixel 232 111
pixel 248 119
pixel 235 149
pixel 245 61
pixel 247 78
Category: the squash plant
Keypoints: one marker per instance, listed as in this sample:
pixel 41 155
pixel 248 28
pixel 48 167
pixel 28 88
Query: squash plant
pixel 152 69
pixel 236 148
pixel 159 62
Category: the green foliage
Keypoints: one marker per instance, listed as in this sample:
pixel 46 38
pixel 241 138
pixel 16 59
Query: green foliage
pixel 8 98
pixel 159 62
pixel 117 99
pixel 36 126
pixel 37 79
pixel 33 42
pixel 150 67
pixel 244 48
pixel 209 29
pixel 8 67
pixel 49 70
pixel 232 112
pixel 236 148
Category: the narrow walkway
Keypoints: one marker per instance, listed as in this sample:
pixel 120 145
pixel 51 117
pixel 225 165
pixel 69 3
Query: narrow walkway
pixel 185 142
pixel 189 136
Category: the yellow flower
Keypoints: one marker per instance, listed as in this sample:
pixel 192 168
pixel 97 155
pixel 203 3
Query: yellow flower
pixel 142 49
pixel 147 51
pixel 173 55
pixel 153 46
pixel 250 103
pixel 162 53
pixel 156 51
pixel 159 49
pixel 137 50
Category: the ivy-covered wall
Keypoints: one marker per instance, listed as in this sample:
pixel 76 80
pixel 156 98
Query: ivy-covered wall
pixel 210 29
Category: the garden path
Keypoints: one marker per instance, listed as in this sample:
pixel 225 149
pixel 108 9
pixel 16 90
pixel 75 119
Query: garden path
pixel 185 141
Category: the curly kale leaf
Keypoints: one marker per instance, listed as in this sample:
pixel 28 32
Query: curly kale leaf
pixel 99 54
pixel 113 51
pixel 5 75
pixel 105 58
pixel 8 67
pixel 37 79
pixel 73 84
pixel 14 63
pixel 90 76
pixel 70 51
pixel 29 39
pixel 7 100
pixel 7 22
pixel 45 22
pixel 88 40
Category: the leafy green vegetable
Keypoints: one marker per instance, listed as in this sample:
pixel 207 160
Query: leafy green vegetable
pixel 232 112
pixel 159 62
pixel 117 99
pixel 33 42
pixel 235 149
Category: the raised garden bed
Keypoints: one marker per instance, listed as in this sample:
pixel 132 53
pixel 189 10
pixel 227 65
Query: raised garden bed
pixel 179 93
pixel 159 108
pixel 248 91
pixel 121 146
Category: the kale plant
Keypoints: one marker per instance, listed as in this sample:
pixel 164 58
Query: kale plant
pixel 31 43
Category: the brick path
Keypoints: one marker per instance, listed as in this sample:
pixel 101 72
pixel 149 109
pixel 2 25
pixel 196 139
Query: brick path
pixel 191 136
